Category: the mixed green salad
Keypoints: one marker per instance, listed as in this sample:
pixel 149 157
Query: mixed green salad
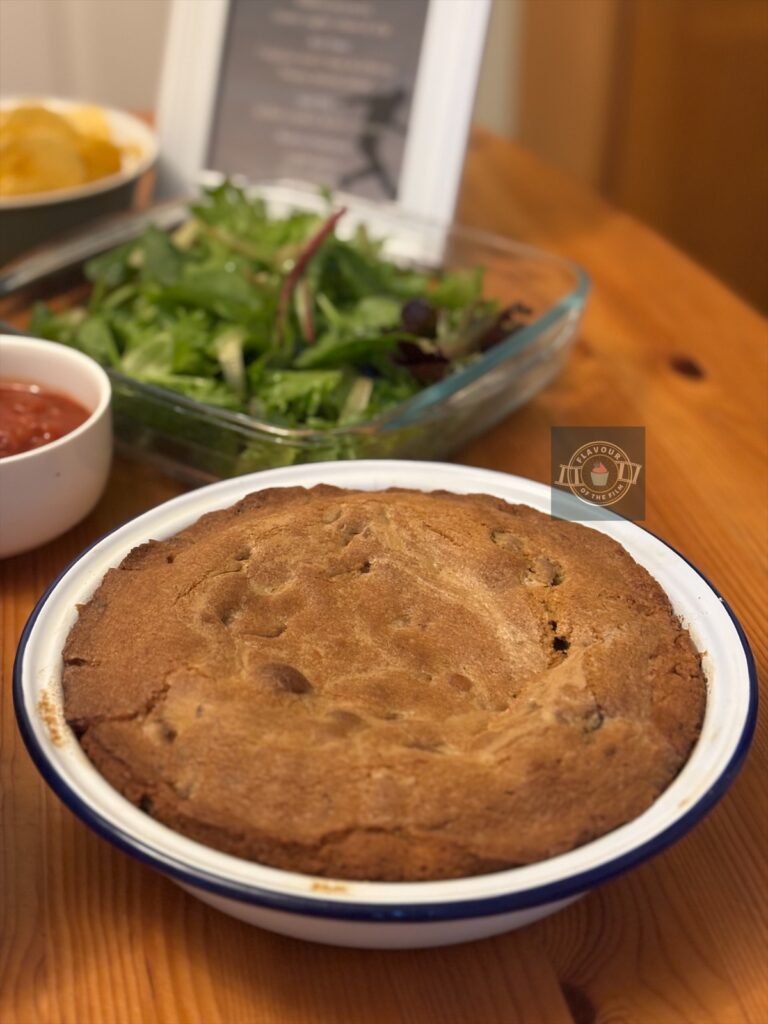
pixel 277 317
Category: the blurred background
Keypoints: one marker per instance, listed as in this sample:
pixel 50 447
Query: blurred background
pixel 661 106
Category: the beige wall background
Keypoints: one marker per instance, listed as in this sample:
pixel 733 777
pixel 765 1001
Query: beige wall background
pixel 108 50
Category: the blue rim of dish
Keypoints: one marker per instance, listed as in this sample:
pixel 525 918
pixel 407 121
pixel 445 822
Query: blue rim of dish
pixel 572 886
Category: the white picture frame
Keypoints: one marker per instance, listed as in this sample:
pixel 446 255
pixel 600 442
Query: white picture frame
pixel 438 125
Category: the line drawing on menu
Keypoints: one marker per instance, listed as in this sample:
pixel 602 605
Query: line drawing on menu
pixel 382 112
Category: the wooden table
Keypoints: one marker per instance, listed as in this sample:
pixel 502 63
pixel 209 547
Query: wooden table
pixel 89 936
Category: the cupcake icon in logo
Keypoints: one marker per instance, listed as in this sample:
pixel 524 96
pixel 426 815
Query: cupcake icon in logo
pixel 599 474
pixel 598 471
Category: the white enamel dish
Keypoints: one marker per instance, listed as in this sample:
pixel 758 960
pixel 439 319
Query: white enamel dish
pixel 383 914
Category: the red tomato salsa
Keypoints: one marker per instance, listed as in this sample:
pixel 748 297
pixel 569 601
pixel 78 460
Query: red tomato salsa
pixel 31 416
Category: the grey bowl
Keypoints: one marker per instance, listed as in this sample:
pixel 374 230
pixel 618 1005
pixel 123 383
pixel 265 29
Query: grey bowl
pixel 28 221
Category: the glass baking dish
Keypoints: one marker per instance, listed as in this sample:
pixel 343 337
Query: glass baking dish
pixel 198 443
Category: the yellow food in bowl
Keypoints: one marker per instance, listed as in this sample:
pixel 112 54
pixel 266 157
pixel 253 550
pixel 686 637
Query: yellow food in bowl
pixel 41 151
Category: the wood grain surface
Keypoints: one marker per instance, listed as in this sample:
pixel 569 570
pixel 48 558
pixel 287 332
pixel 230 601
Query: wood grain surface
pixel 88 936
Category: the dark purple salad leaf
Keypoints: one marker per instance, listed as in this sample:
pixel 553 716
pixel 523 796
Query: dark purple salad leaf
pixel 419 317
pixel 507 322
pixel 426 367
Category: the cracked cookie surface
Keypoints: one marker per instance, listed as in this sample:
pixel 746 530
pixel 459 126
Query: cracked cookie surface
pixel 387 685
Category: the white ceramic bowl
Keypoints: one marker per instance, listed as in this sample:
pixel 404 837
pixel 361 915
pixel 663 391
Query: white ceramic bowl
pixel 384 914
pixel 46 491
pixel 29 220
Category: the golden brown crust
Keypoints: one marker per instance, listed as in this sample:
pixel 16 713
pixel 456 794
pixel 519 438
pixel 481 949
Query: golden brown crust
pixel 387 685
